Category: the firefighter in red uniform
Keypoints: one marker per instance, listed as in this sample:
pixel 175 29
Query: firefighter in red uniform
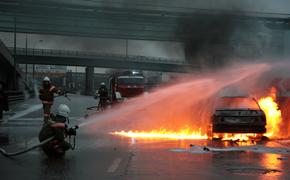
pixel 46 95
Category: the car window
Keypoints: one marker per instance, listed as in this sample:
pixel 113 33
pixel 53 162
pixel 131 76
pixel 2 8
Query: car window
pixel 237 103
pixel 130 81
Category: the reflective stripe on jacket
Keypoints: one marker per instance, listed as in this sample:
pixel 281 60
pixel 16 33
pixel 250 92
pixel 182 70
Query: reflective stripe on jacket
pixel 47 102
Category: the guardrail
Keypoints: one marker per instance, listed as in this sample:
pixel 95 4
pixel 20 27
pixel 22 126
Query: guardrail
pixel 15 97
pixel 92 55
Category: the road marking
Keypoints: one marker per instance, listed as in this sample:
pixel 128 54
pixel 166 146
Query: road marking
pixel 26 111
pixel 114 166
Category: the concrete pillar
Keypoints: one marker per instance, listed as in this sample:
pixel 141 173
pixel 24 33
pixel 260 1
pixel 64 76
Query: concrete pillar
pixel 89 80
pixel 287 44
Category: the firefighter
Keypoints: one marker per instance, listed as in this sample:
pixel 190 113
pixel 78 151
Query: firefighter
pixel 46 95
pixel 57 126
pixel 3 101
pixel 104 95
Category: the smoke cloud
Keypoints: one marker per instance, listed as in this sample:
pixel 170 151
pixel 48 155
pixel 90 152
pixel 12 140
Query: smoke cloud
pixel 217 39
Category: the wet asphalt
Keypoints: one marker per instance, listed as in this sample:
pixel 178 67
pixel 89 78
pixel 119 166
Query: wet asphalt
pixel 104 156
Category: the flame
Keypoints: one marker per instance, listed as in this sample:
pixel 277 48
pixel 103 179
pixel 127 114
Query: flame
pixel 186 133
pixel 273 114
pixel 236 137
pixel 273 120
pixel 267 104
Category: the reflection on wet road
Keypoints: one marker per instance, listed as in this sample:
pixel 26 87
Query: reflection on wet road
pixel 104 156
pixel 179 160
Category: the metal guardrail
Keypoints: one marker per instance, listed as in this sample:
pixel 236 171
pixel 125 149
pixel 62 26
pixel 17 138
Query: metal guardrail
pixel 15 97
pixel 93 55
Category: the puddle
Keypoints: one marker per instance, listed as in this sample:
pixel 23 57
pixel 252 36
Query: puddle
pixel 255 149
pixel 192 150
pixel 179 150
pixel 253 170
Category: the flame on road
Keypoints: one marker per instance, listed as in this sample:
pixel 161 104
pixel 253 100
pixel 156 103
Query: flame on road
pixel 236 137
pixel 267 104
pixel 185 133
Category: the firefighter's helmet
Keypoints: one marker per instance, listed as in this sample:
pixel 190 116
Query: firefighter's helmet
pixel 46 79
pixel 103 84
pixel 63 110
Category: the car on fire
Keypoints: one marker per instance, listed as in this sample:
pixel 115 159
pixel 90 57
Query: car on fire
pixel 238 115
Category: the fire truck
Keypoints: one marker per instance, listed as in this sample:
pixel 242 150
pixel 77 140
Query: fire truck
pixel 126 84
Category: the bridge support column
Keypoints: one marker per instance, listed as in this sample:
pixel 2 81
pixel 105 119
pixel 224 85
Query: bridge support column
pixel 89 81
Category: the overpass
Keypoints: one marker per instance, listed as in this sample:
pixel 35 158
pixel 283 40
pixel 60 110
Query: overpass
pixel 163 20
pixel 10 73
pixel 105 60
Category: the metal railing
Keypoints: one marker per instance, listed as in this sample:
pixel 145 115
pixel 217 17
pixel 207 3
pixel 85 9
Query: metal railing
pixel 15 97
pixel 94 55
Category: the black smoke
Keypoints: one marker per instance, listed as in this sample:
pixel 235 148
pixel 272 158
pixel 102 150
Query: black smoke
pixel 212 40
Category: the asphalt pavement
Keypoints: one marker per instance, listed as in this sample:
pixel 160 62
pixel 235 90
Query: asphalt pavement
pixel 100 155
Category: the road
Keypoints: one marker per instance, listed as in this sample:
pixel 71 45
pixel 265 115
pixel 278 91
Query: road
pixel 104 156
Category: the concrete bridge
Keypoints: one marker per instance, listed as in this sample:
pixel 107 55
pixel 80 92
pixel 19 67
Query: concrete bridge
pixel 164 20
pixel 105 60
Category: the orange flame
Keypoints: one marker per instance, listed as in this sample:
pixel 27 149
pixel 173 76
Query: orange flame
pixel 235 137
pixel 185 133
pixel 267 104
pixel 273 114
pixel 273 118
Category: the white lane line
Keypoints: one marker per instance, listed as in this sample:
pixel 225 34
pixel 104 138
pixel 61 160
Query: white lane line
pixel 26 111
pixel 114 166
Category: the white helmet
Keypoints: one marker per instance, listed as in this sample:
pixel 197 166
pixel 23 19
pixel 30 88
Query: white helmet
pixel 63 110
pixel 46 79
pixel 103 84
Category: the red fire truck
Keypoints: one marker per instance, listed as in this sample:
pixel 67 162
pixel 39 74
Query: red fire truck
pixel 126 84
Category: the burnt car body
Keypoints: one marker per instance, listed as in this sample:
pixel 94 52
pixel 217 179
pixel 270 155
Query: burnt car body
pixel 238 115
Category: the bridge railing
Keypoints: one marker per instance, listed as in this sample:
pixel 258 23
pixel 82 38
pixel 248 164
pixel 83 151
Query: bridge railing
pixel 15 97
pixel 92 55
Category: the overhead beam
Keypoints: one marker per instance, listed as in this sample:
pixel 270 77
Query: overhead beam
pixel 104 63
pixel 128 22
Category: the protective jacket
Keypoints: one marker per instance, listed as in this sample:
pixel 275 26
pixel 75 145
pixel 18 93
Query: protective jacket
pixel 46 94
pixel 103 91
pixel 55 127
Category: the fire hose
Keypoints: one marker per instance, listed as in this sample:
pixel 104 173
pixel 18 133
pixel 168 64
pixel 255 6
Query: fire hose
pixel 64 94
pixel 3 151
pixel 7 154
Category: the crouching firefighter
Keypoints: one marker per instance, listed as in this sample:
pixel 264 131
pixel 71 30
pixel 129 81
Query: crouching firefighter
pixel 57 127
pixel 46 95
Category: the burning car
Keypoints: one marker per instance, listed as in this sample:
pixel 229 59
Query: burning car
pixel 238 115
